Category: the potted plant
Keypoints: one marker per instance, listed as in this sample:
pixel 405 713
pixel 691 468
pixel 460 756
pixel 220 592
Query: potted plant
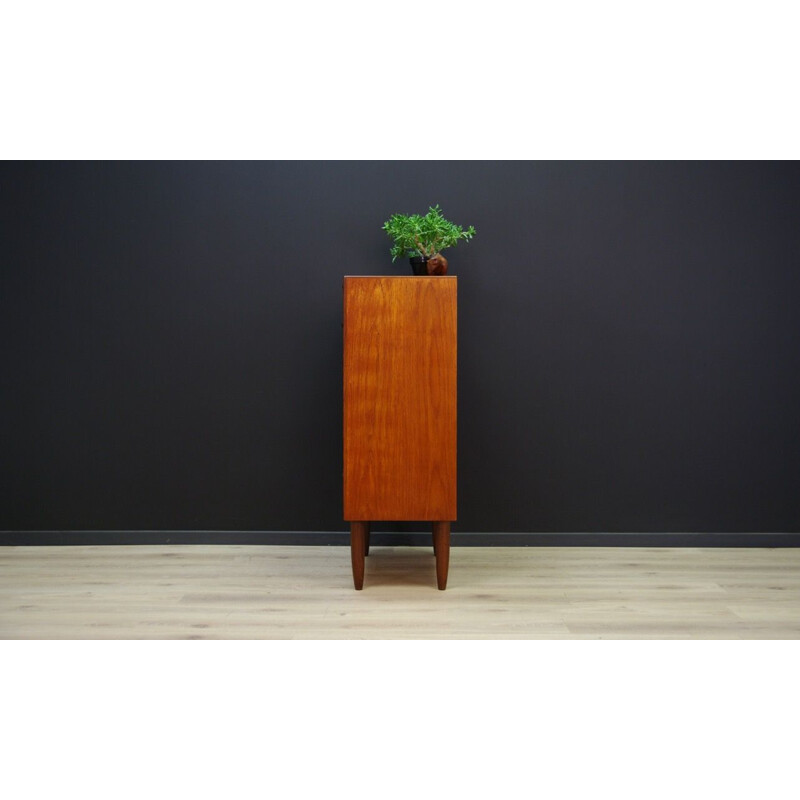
pixel 422 238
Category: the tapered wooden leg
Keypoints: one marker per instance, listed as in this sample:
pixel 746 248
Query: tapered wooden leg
pixel 441 546
pixel 358 539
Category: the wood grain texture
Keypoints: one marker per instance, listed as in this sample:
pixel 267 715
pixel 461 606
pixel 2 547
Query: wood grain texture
pixel 400 398
pixel 279 592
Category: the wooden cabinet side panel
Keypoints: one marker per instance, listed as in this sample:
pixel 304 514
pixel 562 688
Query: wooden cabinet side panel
pixel 400 398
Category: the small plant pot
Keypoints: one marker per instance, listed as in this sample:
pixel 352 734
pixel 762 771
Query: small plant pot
pixel 429 265
pixel 419 265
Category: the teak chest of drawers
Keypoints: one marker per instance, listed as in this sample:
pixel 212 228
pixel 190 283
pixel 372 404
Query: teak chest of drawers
pixel 400 408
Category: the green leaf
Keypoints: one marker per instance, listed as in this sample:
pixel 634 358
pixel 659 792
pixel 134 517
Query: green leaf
pixel 423 235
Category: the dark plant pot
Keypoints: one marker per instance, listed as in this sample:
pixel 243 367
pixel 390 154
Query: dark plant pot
pixel 433 265
pixel 419 265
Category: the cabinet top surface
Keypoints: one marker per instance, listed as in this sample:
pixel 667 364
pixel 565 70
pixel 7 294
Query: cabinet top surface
pixel 405 277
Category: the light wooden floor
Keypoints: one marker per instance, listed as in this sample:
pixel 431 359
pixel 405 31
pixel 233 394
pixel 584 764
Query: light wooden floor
pixel 247 592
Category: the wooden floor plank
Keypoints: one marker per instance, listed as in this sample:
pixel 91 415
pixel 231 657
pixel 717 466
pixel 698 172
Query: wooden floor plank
pixel 275 592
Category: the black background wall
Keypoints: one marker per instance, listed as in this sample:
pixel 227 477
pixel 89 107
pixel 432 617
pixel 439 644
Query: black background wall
pixel 628 341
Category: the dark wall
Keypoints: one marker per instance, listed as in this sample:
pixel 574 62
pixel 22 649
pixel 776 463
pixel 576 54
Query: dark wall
pixel 628 341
